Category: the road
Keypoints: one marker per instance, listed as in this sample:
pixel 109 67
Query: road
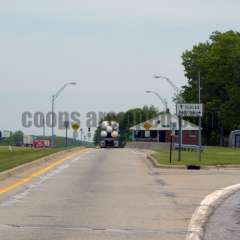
pixel 108 194
pixel 225 222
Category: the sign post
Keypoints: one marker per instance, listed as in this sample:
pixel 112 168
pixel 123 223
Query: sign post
pixel 192 110
pixel 173 128
pixel 180 138
pixel 199 120
pixel 66 124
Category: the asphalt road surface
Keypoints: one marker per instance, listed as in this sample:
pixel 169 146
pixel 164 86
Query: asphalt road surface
pixel 107 194
pixel 225 222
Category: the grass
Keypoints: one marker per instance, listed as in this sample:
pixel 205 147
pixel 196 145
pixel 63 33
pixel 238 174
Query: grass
pixel 210 156
pixel 19 155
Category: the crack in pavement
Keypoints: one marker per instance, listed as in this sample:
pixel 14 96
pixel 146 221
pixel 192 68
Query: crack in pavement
pixel 93 229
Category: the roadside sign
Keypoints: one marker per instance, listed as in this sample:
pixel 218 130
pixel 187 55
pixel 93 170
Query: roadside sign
pixel 75 134
pixel 147 134
pixel 173 128
pixel 190 110
pixel 147 125
pixel 75 126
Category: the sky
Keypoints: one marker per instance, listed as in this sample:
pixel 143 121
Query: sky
pixel 110 48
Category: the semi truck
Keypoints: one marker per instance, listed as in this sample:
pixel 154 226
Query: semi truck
pixel 109 134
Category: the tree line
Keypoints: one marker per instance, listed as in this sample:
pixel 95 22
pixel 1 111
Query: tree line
pixel 218 61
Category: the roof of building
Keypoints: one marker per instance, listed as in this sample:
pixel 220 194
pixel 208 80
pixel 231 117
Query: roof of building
pixel 164 121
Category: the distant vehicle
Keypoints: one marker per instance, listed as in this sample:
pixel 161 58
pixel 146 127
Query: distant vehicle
pixel 46 143
pixel 38 144
pixel 6 134
pixel 41 143
pixel 28 140
pixel 109 134
pixel 32 141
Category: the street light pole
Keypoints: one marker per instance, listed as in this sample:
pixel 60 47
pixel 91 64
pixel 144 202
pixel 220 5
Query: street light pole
pixel 53 120
pixel 179 100
pixel 163 101
pixel 200 119
pixel 54 97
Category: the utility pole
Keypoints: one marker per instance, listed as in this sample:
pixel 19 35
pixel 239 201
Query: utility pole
pixel 54 97
pixel 44 127
pixel 180 138
pixel 66 137
pixel 53 120
pixel 199 119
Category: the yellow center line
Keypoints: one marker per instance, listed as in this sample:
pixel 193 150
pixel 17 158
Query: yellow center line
pixel 39 173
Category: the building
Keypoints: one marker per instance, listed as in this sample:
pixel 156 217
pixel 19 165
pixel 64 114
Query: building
pixel 234 139
pixel 159 130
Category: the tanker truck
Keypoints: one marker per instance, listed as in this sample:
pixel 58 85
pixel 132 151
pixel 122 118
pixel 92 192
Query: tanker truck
pixel 109 134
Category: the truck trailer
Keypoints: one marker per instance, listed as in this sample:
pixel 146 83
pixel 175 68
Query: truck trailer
pixel 109 134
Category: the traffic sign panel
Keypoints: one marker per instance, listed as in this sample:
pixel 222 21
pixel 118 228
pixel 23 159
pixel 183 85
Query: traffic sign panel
pixel 190 110
pixel 147 125
pixel 75 126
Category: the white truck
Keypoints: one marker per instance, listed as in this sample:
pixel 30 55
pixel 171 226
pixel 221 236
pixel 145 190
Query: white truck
pixel 109 134
pixel 28 140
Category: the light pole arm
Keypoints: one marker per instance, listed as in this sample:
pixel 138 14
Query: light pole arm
pixel 176 89
pixel 163 101
pixel 59 91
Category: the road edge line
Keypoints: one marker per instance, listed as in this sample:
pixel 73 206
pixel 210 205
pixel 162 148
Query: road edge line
pixel 40 172
pixel 200 218
pixel 23 167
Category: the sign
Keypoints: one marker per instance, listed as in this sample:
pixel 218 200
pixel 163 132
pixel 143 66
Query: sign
pixel 173 128
pixel 147 125
pixel 147 134
pixel 75 126
pixel 190 110
pixel 75 134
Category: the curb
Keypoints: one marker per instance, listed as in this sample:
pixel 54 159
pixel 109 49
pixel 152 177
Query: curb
pixel 199 220
pixel 19 169
pixel 156 164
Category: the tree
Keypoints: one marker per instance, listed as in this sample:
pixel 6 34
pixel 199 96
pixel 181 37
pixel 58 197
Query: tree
pixel 16 139
pixel 218 60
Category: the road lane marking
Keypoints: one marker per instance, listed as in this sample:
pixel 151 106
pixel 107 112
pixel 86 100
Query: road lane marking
pixel 29 187
pixel 38 173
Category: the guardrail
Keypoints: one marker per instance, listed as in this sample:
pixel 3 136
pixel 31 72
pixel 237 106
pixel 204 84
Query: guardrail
pixel 188 147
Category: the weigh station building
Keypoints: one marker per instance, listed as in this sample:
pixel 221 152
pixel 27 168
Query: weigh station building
pixel 160 128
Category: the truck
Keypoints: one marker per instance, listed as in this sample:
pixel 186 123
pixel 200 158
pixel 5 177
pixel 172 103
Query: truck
pixel 109 134
pixel 28 140
pixel 33 141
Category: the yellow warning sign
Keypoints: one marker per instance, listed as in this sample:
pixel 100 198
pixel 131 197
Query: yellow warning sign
pixel 147 125
pixel 75 126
